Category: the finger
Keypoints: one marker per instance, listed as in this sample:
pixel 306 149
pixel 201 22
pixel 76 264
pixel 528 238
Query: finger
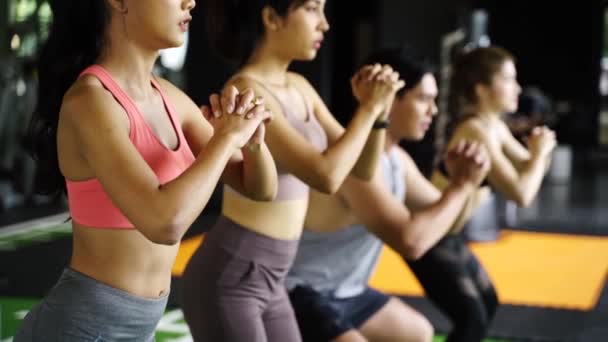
pixel 479 158
pixel 363 73
pixel 394 77
pixel 216 107
pixel 374 71
pixel 255 111
pixel 397 86
pixel 244 102
pixel 206 112
pixel 470 149
pixel 229 96
pixel 260 113
pixel 385 73
pixel 460 146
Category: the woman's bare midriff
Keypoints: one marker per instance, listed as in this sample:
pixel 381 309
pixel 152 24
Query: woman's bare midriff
pixel 281 220
pixel 123 259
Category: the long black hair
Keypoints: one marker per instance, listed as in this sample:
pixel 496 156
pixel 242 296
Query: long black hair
pixel 76 39
pixel 234 27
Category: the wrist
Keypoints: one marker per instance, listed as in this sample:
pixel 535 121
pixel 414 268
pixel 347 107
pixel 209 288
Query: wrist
pixel 374 109
pixel 463 185
pixel 252 147
pixel 381 124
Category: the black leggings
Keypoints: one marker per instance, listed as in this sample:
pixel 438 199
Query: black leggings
pixel 456 282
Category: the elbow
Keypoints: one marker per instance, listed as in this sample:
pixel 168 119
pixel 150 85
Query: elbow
pixel 365 174
pixel 265 195
pixel 522 200
pixel 411 250
pixel 166 231
pixel 329 185
pixel 170 237
pixel 164 235
pixel 414 253
pixel 171 232
pixel 326 181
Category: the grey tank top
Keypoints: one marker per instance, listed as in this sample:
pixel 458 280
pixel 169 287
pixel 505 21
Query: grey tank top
pixel 340 263
pixel 289 186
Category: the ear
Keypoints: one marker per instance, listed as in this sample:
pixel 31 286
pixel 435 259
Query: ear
pixel 120 6
pixel 481 91
pixel 271 19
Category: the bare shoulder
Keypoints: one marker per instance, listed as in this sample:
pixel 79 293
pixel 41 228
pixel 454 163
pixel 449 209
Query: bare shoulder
pixel 88 102
pixel 300 82
pixel 473 129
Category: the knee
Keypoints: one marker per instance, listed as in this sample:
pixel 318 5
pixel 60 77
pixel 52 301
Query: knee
pixel 469 329
pixel 425 330
pixel 491 304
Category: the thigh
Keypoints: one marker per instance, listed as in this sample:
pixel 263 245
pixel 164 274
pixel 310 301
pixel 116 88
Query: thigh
pixel 280 320
pixel 352 335
pixel 44 324
pixel 397 321
pixel 241 325
pixel 319 320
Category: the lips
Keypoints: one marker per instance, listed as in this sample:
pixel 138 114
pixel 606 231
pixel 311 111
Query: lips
pixel 184 24
pixel 317 43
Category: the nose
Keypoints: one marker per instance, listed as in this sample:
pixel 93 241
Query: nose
pixel 189 4
pixel 324 26
pixel 434 110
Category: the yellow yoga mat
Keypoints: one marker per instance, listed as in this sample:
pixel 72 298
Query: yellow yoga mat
pixel 186 249
pixel 536 269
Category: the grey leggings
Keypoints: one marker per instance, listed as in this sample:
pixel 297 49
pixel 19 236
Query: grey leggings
pixel 233 287
pixel 80 308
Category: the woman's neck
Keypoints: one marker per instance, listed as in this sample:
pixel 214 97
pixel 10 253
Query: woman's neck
pixel 130 65
pixel 268 65
pixel 481 111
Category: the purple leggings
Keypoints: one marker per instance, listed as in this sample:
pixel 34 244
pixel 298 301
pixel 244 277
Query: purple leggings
pixel 233 287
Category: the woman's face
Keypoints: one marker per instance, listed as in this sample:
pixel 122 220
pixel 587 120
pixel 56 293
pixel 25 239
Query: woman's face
pixel 503 93
pixel 158 24
pixel 412 113
pixel 301 33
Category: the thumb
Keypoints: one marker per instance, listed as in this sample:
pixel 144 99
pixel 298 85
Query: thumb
pixel 206 112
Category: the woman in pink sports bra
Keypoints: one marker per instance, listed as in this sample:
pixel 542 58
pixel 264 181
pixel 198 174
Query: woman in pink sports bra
pixel 138 161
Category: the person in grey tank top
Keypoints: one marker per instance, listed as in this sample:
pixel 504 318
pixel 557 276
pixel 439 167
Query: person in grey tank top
pixel 345 232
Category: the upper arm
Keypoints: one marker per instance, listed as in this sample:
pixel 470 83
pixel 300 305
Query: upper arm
pixel 512 148
pixel 376 208
pixel 98 124
pixel 421 193
pixel 502 175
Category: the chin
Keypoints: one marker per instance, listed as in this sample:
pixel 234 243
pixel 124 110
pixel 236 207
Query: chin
pixel 419 137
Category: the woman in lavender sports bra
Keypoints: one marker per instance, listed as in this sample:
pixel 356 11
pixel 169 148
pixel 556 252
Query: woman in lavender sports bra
pixel 233 287
pixel 138 162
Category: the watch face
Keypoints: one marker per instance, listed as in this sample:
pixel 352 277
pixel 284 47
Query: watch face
pixel 28 26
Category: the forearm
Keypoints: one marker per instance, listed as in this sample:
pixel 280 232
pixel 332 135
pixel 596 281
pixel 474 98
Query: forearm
pixel 342 156
pixel 530 180
pixel 367 163
pixel 259 173
pixel 429 225
pixel 182 200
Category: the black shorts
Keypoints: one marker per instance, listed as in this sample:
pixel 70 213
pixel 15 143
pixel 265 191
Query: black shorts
pixel 322 317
